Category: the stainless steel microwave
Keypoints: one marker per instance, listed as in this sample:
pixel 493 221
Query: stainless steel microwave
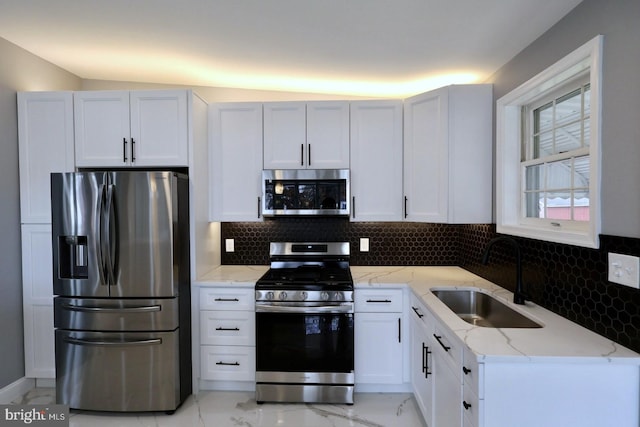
pixel 305 192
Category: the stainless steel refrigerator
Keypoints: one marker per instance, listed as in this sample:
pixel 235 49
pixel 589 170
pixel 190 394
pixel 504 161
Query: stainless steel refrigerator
pixel 121 280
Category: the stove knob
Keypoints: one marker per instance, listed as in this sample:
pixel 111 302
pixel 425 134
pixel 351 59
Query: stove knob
pixel 269 295
pixel 283 296
pixel 324 296
pixel 338 296
pixel 304 295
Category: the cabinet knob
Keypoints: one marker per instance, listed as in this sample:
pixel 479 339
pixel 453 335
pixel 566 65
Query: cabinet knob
pixel 466 405
pixel 466 370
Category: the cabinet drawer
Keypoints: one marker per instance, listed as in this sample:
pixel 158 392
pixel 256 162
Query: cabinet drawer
pixel 227 299
pixel 450 347
pixel 227 327
pixel 227 363
pixel 378 300
pixel 472 372
pixel 472 407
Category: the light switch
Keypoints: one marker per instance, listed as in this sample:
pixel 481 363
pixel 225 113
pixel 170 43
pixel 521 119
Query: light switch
pixel 229 245
pixel 364 244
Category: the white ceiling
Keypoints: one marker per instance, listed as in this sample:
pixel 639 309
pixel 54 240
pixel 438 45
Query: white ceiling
pixel 359 47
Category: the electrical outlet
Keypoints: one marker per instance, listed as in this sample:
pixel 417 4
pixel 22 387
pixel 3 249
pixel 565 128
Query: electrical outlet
pixel 623 269
pixel 229 245
pixel 364 244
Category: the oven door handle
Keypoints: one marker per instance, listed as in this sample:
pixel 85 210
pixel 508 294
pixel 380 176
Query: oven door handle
pixel 338 308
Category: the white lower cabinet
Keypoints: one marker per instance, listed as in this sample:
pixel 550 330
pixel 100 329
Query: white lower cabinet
pixel 379 340
pixel 421 359
pixel 447 395
pixel 436 365
pixel 227 335
pixel 37 297
pixel 454 388
pixel 227 363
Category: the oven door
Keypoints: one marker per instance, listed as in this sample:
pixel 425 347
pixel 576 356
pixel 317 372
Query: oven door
pixel 315 339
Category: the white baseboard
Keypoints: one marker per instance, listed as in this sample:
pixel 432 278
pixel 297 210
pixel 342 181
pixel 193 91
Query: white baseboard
pixel 16 389
pixel 45 383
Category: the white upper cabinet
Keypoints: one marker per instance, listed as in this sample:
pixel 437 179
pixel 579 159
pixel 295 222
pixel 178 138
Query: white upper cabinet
pixel 328 135
pixel 376 160
pixel 448 155
pixel 139 128
pixel 235 138
pixel 45 128
pixel 306 135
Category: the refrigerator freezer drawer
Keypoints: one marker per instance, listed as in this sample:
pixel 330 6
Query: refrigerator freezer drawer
pixel 134 371
pixel 94 314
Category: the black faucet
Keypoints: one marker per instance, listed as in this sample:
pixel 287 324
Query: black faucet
pixel 519 296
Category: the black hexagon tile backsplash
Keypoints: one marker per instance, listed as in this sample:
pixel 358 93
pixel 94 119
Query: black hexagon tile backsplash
pixel 569 280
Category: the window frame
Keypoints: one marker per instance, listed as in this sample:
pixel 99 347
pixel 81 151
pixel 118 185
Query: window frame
pixel 510 216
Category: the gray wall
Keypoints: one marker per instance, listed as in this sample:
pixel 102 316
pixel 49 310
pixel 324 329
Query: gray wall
pixel 19 71
pixel 619 22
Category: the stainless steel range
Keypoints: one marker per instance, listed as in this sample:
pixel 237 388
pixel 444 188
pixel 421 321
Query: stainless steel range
pixel 304 325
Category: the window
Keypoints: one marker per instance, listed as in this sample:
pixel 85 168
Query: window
pixel 548 145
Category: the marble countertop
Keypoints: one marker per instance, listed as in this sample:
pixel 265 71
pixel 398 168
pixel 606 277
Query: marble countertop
pixel 559 338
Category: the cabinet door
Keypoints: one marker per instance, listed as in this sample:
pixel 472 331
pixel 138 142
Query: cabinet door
pixel 37 298
pixel 471 154
pixel 45 130
pixel 328 135
pixel 235 137
pixel 159 128
pixel 378 348
pixel 447 397
pixel 102 131
pixel 376 160
pixel 422 366
pixel 285 135
pixel 227 363
pixel 234 327
pixel 426 157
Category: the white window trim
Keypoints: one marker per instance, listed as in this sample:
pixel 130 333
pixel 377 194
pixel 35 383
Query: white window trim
pixel 509 217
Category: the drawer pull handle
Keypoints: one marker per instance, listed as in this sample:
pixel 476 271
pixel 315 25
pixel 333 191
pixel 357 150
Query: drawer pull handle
pixel 228 364
pixel 437 337
pixel 383 301
pixel 466 405
pixel 420 316
pixel 227 300
pixel 220 328
pixel 466 370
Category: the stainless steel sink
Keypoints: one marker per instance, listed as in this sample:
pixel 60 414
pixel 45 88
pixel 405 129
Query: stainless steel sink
pixel 482 309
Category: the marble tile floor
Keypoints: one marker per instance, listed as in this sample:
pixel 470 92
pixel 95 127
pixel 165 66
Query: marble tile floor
pixel 239 409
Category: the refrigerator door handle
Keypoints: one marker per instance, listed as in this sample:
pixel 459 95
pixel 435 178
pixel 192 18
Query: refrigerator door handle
pixel 76 341
pixel 110 252
pixel 140 309
pixel 99 235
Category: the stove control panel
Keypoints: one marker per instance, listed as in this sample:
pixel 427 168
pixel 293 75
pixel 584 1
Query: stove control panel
pixel 293 295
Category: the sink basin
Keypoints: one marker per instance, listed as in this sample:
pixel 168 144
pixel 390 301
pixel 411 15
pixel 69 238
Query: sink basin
pixel 482 309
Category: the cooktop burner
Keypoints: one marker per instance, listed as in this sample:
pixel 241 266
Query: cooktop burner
pixel 308 266
pixel 308 274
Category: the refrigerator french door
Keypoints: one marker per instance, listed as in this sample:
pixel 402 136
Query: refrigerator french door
pixel 121 279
